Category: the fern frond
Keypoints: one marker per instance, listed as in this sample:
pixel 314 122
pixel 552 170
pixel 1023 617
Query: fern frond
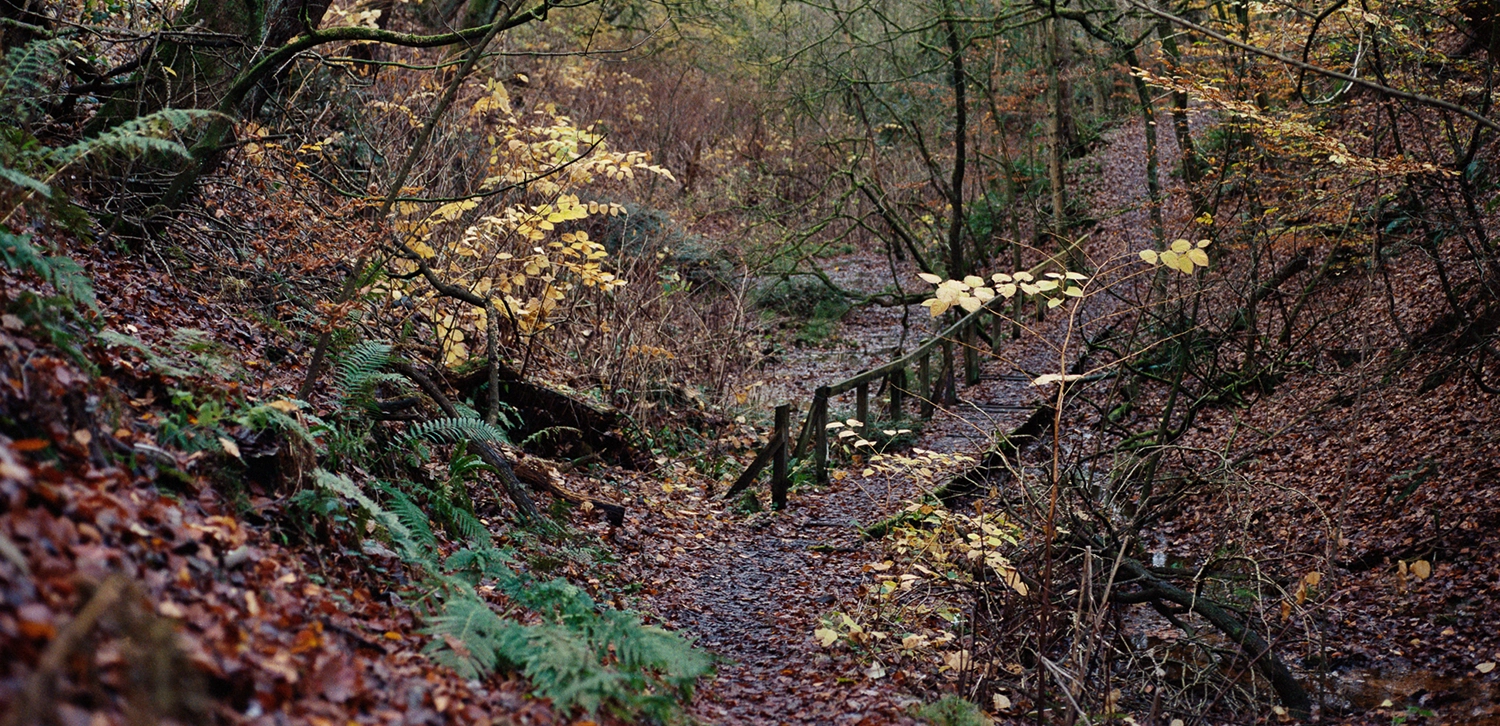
pixel 360 371
pixel 30 73
pixel 62 273
pixel 471 639
pixel 155 360
pixel 24 181
pixel 451 431
pixel 264 417
pixel 482 562
pixel 565 668
pixel 652 649
pixel 551 432
pixel 137 136
pixel 406 541
pixel 462 465
pixel 410 514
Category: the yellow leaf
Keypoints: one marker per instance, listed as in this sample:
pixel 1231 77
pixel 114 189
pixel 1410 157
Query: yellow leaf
pixel 1180 246
pixel 230 447
pixel 970 304
pixel 1422 569
pixel 826 636
pixel 1149 256
pixel 1198 257
pixel 1002 703
pixel 1485 667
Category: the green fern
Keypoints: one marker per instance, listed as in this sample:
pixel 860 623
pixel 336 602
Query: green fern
pixel 483 637
pixel 409 545
pixel 25 182
pixel 189 353
pixel 411 516
pixel 551 433
pixel 579 655
pixel 567 657
pixel 451 431
pixel 31 73
pixel 138 136
pixel 266 417
pixel 62 273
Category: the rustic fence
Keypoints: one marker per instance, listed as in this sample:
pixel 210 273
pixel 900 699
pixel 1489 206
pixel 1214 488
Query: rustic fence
pixel 929 389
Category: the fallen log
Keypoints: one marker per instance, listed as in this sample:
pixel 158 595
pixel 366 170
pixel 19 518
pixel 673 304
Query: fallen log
pixel 544 408
pixel 510 476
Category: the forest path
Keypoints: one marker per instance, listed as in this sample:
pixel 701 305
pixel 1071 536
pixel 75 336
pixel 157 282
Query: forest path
pixel 753 589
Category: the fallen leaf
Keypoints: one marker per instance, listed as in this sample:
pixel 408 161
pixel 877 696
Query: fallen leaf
pixel 1421 569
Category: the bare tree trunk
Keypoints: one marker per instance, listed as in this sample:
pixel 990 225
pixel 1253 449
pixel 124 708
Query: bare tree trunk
pixel 1192 172
pixel 1153 163
pixel 956 268
pixel 196 73
pixel 1057 139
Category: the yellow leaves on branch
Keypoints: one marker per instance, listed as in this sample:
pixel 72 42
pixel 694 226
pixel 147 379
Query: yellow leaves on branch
pixel 1291 132
pixel 521 257
pixel 1184 256
pixel 972 293
pixel 417 233
pixel 495 99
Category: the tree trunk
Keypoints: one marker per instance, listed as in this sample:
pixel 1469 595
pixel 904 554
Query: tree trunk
pixel 956 269
pixel 195 72
pixel 1191 170
pixel 1057 138
pixel 1153 164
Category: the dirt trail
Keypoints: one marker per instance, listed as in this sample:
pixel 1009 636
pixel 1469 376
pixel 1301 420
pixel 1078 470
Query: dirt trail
pixel 754 589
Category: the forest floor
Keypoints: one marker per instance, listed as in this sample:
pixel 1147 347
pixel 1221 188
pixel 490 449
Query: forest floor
pixel 1381 472
pixel 753 589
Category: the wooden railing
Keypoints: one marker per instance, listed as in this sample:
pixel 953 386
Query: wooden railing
pixel 814 430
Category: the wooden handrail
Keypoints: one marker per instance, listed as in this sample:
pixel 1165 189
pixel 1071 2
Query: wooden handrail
pixel 813 430
pixel 848 384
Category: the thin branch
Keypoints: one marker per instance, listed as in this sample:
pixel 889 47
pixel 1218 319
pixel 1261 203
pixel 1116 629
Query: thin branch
pixel 1371 85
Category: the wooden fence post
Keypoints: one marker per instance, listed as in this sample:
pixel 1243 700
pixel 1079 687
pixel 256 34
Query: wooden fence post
pixel 820 433
pixel 971 354
pixel 946 376
pixel 898 391
pixel 779 479
pixel 862 405
pixel 924 385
